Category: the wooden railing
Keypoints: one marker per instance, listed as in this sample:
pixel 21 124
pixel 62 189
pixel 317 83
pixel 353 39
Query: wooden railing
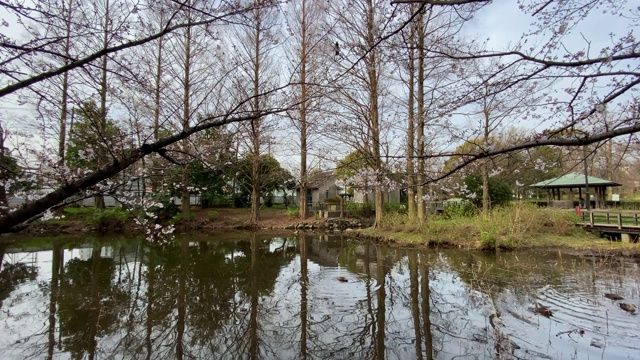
pixel 612 219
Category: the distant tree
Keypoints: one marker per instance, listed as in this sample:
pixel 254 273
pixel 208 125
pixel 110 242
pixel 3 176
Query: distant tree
pixel 212 172
pixel 91 143
pixel 271 176
pixel 351 164
pixel 499 190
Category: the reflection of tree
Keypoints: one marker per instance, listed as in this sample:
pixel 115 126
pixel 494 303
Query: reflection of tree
pixel 426 305
pixel 381 308
pixel 89 303
pixel 210 291
pixel 56 267
pixel 253 322
pixel 206 299
pixel 12 275
pixel 415 309
pixel 182 294
pixel 304 284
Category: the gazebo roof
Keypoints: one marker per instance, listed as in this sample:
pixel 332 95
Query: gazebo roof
pixel 574 180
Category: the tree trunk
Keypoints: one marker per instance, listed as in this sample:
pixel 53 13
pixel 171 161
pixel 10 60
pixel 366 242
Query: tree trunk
pixel 4 174
pixel 486 197
pixel 374 114
pixel 421 121
pixel 65 90
pixel 101 151
pixel 303 115
pixel 256 127
pixel 186 195
pixel 411 180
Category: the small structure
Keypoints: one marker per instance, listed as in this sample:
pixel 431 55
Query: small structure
pixel 571 182
pixel 320 186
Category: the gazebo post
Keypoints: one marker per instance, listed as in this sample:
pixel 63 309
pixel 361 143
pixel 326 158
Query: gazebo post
pixel 580 197
pixel 548 197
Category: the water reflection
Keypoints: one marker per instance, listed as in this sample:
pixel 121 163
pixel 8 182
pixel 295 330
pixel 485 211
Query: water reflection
pixel 308 297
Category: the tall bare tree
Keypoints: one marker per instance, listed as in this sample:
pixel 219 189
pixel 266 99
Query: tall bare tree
pixel 361 91
pixel 255 47
pixel 306 21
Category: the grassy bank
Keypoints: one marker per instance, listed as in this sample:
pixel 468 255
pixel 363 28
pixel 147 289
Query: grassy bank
pixel 512 227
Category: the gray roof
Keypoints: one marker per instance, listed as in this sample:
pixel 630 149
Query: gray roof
pixel 573 180
pixel 318 179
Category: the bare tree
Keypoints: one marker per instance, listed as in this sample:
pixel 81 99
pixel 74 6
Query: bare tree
pixel 306 22
pixel 361 92
pixel 255 48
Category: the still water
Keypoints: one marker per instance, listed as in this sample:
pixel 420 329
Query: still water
pixel 310 297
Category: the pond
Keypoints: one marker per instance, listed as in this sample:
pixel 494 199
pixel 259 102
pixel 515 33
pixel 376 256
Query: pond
pixel 310 296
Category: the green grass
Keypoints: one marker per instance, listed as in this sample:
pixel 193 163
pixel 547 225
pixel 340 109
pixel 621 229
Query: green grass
pixel 79 212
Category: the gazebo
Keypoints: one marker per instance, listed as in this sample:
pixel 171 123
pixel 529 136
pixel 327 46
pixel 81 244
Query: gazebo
pixel 573 181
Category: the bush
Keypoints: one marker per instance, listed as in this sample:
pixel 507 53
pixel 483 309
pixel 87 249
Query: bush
pixel 489 238
pixel 179 218
pixel 212 214
pixel 109 219
pixel 332 200
pixel 359 210
pixel 397 208
pixel 461 209
pixel 293 212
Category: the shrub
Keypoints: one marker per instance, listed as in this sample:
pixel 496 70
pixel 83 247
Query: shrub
pixel 359 210
pixel 461 209
pixel 179 218
pixel 212 214
pixel 395 208
pixel 293 212
pixel 332 200
pixel 108 219
pixel 489 238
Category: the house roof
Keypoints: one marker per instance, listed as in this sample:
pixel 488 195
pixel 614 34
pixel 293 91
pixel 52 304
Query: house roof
pixel 318 179
pixel 573 180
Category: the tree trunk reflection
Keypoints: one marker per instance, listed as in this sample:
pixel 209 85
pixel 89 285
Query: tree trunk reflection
pixel 415 308
pixel 381 295
pixel 426 306
pixel 304 283
pixel 56 266
pixel 184 253
pixel 253 320
pixel 95 301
